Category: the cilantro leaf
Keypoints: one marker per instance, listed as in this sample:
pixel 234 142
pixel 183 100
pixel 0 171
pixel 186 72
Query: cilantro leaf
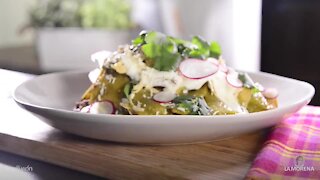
pixel 137 41
pixel 162 50
pixel 127 89
pixel 215 50
pixel 165 52
pixel 201 49
pixel 155 37
pixel 140 39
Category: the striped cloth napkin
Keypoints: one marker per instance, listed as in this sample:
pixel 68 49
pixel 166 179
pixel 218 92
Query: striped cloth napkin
pixel 292 150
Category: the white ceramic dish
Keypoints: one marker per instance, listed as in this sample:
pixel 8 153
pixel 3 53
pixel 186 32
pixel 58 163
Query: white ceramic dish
pixel 52 97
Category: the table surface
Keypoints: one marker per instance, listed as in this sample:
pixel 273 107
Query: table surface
pixel 11 164
pixel 23 133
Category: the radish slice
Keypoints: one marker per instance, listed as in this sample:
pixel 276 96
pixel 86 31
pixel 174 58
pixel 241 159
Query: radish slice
pixel 164 97
pixel 270 93
pixel 232 71
pixel 197 69
pixel 85 109
pixel 93 75
pixel 102 107
pixel 233 80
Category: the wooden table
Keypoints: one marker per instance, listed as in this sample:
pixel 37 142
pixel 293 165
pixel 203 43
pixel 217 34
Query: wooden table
pixel 10 163
pixel 24 134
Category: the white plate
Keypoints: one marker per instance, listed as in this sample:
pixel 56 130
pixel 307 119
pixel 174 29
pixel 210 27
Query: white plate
pixel 52 96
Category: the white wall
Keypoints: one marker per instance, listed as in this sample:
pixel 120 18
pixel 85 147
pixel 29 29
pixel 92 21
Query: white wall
pixel 13 15
pixel 247 34
pixel 234 24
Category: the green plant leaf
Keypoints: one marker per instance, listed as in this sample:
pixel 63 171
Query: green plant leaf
pixel 161 50
pixel 215 50
pixel 138 41
pixel 127 89
pixel 201 48
pixel 165 52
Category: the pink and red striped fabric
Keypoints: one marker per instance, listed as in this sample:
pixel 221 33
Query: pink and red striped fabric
pixel 292 150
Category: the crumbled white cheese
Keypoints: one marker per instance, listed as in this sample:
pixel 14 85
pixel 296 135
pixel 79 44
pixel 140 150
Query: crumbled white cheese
pixel 100 57
pixel 93 75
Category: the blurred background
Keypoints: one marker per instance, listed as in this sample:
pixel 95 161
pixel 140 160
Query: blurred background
pixel 276 36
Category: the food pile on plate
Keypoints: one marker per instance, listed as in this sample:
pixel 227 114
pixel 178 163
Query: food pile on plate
pixel 162 75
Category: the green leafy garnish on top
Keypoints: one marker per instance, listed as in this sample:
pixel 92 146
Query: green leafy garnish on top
pixel 162 51
pixel 215 50
pixel 165 52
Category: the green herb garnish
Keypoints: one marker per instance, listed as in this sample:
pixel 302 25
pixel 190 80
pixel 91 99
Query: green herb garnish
pixel 166 52
pixel 201 50
pixel 215 50
pixel 127 89
pixel 162 50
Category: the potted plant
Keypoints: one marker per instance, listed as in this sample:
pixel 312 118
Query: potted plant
pixel 69 31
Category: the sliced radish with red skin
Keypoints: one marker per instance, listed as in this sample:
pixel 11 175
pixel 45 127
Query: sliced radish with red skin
pixel 270 93
pixel 164 97
pixel 233 80
pixel 102 107
pixel 197 69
